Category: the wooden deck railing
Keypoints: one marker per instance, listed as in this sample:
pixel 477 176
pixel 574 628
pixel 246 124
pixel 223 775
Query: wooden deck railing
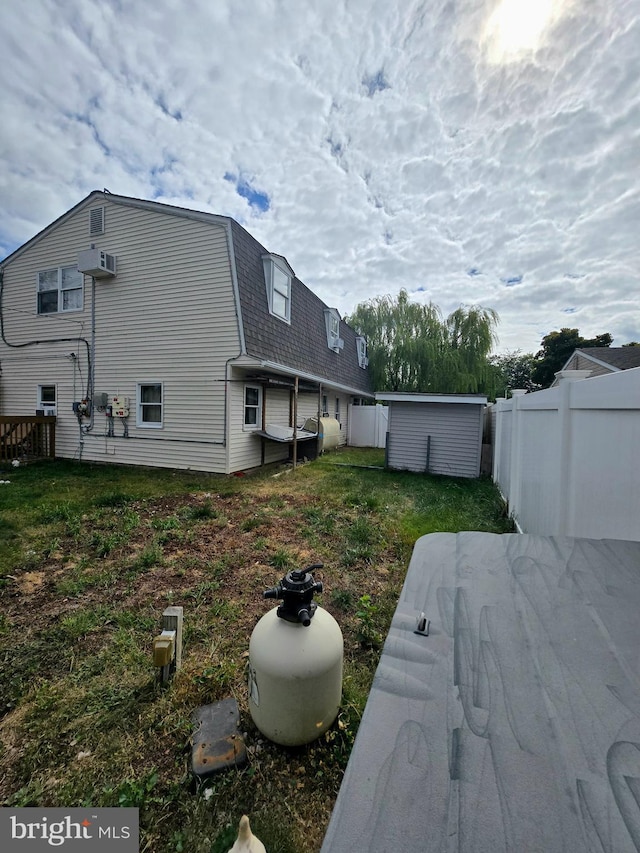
pixel 31 437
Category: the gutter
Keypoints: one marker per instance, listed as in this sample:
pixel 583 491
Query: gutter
pixel 287 371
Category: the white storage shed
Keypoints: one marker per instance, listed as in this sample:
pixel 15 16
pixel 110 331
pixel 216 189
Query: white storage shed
pixel 434 433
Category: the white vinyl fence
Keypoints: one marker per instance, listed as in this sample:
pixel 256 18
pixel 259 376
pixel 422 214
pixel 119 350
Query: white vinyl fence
pixel 567 459
pixel 368 426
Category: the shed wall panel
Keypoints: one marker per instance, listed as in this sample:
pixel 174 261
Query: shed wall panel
pixel 455 431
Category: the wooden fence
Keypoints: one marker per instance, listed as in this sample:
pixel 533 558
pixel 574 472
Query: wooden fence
pixel 26 438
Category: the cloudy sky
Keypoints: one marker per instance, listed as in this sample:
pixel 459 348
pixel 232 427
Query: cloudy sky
pixel 471 151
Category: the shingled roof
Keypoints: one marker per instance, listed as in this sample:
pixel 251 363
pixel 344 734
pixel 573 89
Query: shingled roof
pixel 300 346
pixel 303 344
pixel 622 358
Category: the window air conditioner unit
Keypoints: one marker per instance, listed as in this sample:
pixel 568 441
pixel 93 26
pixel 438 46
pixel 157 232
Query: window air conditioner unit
pixel 97 264
pixel 338 344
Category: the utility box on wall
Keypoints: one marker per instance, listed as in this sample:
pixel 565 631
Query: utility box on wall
pixel 120 407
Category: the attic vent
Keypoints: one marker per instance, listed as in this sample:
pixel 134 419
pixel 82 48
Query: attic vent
pixel 96 221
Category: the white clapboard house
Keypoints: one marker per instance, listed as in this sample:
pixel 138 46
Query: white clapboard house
pixel 169 337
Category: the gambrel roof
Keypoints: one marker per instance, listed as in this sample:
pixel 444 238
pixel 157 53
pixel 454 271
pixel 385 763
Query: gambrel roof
pixel 297 347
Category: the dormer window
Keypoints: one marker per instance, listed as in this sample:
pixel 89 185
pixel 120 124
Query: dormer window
pixel 278 276
pixel 332 323
pixel 361 344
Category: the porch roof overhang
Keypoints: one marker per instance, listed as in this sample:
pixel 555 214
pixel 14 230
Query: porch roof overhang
pixel 284 376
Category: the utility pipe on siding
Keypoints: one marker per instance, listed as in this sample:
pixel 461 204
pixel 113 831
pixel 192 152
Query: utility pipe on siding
pixel 92 363
pixel 295 423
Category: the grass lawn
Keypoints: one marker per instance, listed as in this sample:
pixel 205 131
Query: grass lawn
pixel 91 555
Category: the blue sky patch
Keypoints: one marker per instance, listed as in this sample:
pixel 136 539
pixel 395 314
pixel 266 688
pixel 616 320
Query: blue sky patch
pixel 511 280
pixel 375 83
pixel 257 199
pixel 474 271
pixel 175 114
pixel 569 310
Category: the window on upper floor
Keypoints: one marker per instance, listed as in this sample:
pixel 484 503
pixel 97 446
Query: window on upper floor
pixel 60 290
pixel 252 407
pixel 332 323
pixel 361 344
pixel 150 405
pixel 278 276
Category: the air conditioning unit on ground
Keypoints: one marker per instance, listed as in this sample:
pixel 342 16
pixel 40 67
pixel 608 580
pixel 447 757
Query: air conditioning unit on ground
pixel 96 263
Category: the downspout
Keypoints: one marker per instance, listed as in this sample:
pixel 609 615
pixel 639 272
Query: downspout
pixel 295 423
pixel 243 347
pixel 92 364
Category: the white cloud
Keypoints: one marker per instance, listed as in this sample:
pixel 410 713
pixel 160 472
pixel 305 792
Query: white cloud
pixel 396 144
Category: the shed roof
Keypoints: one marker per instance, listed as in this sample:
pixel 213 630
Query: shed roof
pixel 415 397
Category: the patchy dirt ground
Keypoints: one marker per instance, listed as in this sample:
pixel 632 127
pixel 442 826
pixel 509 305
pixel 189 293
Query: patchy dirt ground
pixel 214 554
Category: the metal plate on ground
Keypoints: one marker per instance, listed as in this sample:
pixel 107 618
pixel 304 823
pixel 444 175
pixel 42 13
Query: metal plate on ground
pixel 217 742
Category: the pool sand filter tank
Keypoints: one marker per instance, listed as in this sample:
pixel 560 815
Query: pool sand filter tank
pixel 295 664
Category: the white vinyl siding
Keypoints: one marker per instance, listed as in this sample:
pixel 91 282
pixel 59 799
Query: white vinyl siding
pixel 450 434
pixel 170 308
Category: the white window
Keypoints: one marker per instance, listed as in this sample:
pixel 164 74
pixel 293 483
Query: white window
pixel 252 407
pixel 361 344
pixel 150 405
pixel 325 406
pixel 278 276
pixel 332 323
pixel 338 409
pixel 60 289
pixel 46 399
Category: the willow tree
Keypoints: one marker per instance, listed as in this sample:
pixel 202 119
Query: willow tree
pixel 412 348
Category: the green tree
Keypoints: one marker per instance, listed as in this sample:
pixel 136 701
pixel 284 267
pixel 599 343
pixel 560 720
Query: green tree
pixel 514 370
pixel 555 351
pixel 411 347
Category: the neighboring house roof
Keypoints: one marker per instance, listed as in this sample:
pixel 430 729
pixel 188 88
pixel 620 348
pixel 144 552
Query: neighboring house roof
pixel 613 358
pixel 299 347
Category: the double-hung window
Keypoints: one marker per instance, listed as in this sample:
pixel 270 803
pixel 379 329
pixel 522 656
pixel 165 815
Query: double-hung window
pixel 150 407
pixel 252 407
pixel 361 344
pixel 60 290
pixel 278 276
pixel 332 324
